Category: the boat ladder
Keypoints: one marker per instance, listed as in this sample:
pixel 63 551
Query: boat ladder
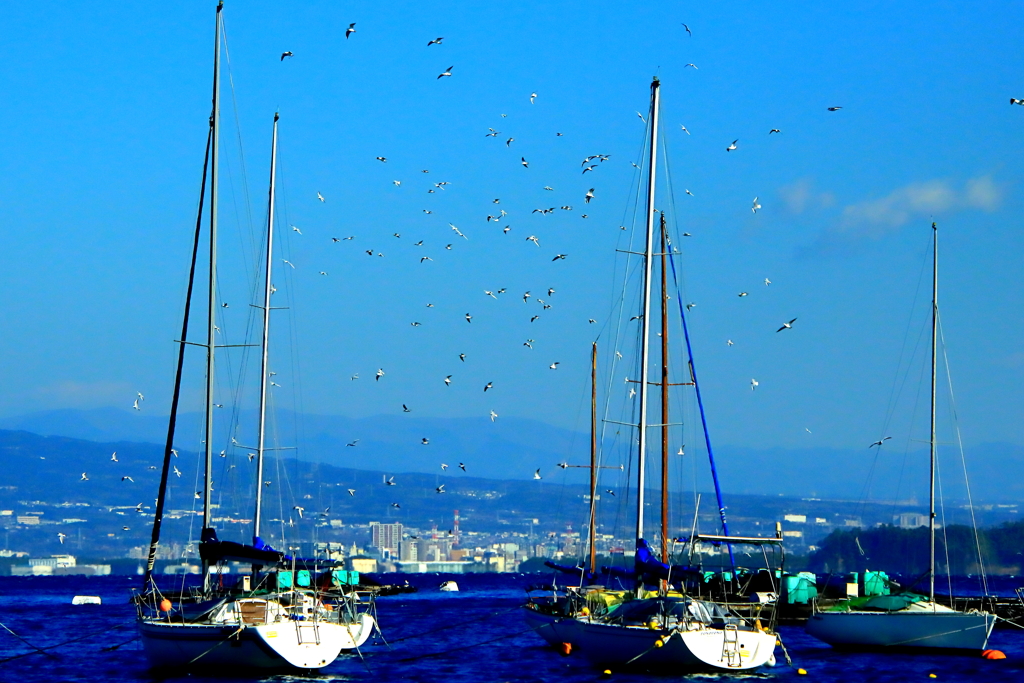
pixel 731 646
pixel 307 632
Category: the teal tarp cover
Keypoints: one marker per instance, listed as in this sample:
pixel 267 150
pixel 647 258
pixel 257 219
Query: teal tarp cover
pixel 892 603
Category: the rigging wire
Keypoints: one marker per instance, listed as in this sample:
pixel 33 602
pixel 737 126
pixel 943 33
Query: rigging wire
pixel 963 462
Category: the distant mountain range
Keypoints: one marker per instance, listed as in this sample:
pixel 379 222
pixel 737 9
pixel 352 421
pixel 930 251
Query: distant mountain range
pixel 513 448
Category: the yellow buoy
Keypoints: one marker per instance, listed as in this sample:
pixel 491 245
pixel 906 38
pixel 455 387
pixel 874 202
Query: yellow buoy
pixel 932 676
pixel 607 672
pixel 659 642
pixel 802 672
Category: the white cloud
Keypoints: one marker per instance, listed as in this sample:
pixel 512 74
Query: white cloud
pixel 801 196
pixel 878 216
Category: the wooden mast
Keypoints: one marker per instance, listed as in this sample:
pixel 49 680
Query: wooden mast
pixel 664 398
pixel 593 457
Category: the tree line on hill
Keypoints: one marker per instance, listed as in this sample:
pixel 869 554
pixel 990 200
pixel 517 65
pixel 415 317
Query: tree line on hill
pixel 905 551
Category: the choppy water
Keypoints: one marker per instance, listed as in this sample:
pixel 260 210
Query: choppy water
pixel 474 636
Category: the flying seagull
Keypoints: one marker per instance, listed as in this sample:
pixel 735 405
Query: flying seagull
pixel 834 108
pixel 489 385
pixel 448 380
pixel 753 384
pixel 286 54
pixel 684 129
pixel 880 442
pixel 687 29
pixel 320 197
pixel 380 373
pixel 787 326
pixel 389 481
pixel 731 147
pixel 693 65
pixel 493 415
pixel 435 41
pixel 447 72
pixel 533 96
pixel 294 229
pixel 754 206
pixel 774 130
pixel 536 475
pixel 350 30
pixel 425 441
pixel 440 489
pixel 524 162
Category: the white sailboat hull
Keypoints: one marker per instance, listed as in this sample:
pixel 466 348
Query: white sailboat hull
pixel 946 630
pixel 702 649
pixel 281 645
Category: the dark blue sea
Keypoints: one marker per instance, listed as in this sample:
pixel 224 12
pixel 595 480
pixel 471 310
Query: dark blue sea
pixel 474 636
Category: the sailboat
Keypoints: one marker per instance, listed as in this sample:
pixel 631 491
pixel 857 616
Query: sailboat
pixel 287 613
pixel 659 629
pixel 908 620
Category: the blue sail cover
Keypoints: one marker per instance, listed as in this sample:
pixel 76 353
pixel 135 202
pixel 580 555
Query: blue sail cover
pixel 212 549
pixel 588 576
pixel 647 566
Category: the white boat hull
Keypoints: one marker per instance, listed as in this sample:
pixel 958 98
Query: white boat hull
pixel 702 649
pixel 281 645
pixel 945 630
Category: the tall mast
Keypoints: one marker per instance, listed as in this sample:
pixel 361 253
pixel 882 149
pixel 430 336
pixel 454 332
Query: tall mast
pixel 593 457
pixel 211 339
pixel 644 324
pixel 931 476
pixel 664 398
pixel 264 377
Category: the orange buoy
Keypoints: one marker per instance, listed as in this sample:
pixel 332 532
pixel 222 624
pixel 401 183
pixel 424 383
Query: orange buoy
pixel 165 605
pixel 992 654
pixel 565 649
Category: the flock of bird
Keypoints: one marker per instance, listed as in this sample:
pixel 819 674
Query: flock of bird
pixel 590 164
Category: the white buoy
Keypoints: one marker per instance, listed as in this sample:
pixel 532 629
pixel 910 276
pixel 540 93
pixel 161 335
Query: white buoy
pixel 86 600
pixel 449 587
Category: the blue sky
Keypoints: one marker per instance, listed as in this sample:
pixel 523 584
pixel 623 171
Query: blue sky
pixel 104 120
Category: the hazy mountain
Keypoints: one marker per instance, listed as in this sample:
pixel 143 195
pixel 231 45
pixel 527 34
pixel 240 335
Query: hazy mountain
pixel 513 448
